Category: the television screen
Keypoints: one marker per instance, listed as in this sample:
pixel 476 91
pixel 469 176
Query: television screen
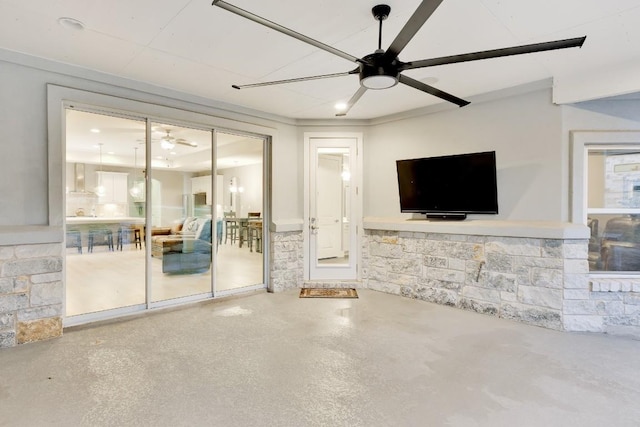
pixel 458 184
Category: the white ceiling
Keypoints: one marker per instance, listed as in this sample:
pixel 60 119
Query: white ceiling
pixel 193 47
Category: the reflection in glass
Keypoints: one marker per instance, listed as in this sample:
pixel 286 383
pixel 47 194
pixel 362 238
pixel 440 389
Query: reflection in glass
pixel 332 206
pixel 239 211
pixel 181 212
pixel 613 206
pixel 105 266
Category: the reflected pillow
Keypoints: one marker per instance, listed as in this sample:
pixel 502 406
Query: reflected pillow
pixel 190 225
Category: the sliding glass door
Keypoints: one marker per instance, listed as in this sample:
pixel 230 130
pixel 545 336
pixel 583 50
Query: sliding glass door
pixel 152 220
pixel 105 221
pixel 240 211
pixel 182 224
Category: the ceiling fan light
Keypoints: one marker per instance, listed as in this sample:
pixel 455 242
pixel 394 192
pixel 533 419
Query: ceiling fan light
pixel 377 82
pixel 167 145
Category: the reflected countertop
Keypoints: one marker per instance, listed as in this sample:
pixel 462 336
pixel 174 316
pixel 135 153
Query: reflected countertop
pixel 104 220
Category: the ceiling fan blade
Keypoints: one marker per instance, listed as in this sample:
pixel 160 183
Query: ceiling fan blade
pixel 496 53
pixel 417 20
pixel 432 90
pixel 284 30
pixel 298 79
pixel 352 101
pixel 187 143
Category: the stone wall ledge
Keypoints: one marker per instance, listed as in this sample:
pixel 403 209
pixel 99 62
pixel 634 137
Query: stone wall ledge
pixel 286 225
pixel 528 229
pixel 29 235
pixel 621 284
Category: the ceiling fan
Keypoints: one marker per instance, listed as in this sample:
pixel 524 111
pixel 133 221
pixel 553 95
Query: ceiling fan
pixel 383 69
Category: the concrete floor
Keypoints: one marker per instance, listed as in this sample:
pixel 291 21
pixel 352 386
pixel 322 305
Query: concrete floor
pixel 277 360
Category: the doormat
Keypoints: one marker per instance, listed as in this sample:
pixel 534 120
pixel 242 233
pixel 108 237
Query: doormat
pixel 328 293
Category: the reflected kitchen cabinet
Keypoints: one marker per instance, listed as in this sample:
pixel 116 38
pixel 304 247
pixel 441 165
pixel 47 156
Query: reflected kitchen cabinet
pixel 115 187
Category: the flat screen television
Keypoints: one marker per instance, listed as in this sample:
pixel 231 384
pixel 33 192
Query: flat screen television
pixel 449 186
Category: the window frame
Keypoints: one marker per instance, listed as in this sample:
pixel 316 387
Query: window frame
pixel 581 143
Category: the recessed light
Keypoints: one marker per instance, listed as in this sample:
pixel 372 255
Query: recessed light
pixel 174 153
pixel 111 152
pixel 71 23
pixel 95 130
pixel 341 106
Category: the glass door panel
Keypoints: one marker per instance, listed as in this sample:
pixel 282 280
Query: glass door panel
pixel 332 243
pixel 105 222
pixel 239 211
pixel 181 212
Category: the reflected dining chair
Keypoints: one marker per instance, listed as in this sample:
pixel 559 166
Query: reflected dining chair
pixel 230 227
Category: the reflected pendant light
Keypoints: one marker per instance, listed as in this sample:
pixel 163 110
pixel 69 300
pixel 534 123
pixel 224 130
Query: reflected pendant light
pixel 100 190
pixel 137 189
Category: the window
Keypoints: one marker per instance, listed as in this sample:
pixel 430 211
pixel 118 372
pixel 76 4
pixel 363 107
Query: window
pixel 606 175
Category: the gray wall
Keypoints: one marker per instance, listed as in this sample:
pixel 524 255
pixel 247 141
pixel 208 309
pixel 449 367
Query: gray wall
pixel 524 130
pixel 528 132
pixel 600 115
pixel 24 142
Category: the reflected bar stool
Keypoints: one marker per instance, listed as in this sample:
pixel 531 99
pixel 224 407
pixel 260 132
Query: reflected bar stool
pixel 128 234
pixel 74 240
pixel 100 237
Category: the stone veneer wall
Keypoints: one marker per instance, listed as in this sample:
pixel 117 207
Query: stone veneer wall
pixel 31 293
pixel 523 279
pixel 610 305
pixel 286 263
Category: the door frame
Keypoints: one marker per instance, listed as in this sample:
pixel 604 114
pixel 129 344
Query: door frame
pixel 355 229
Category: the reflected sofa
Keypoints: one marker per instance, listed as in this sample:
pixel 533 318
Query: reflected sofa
pixel 186 248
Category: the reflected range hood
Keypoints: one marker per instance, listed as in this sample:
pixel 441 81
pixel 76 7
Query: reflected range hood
pixel 79 179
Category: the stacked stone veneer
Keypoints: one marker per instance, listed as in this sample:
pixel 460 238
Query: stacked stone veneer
pixel 31 293
pixel 610 305
pixel 531 280
pixel 286 263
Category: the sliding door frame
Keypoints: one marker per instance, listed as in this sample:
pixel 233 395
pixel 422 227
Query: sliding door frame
pixel 60 98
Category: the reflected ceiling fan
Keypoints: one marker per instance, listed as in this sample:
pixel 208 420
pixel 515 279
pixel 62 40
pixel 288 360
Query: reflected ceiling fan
pixel 168 142
pixel 383 69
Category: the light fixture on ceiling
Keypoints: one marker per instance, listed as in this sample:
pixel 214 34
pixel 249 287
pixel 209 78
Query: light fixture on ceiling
pixel 377 78
pixel 340 106
pixel 100 190
pixel 71 23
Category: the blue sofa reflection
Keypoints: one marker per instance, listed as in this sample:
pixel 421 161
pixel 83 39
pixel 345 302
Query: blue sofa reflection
pixel 184 248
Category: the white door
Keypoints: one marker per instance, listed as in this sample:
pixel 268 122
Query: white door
pixel 332 208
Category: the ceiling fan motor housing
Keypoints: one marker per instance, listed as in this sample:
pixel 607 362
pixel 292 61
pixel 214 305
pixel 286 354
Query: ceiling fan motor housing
pixel 375 73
